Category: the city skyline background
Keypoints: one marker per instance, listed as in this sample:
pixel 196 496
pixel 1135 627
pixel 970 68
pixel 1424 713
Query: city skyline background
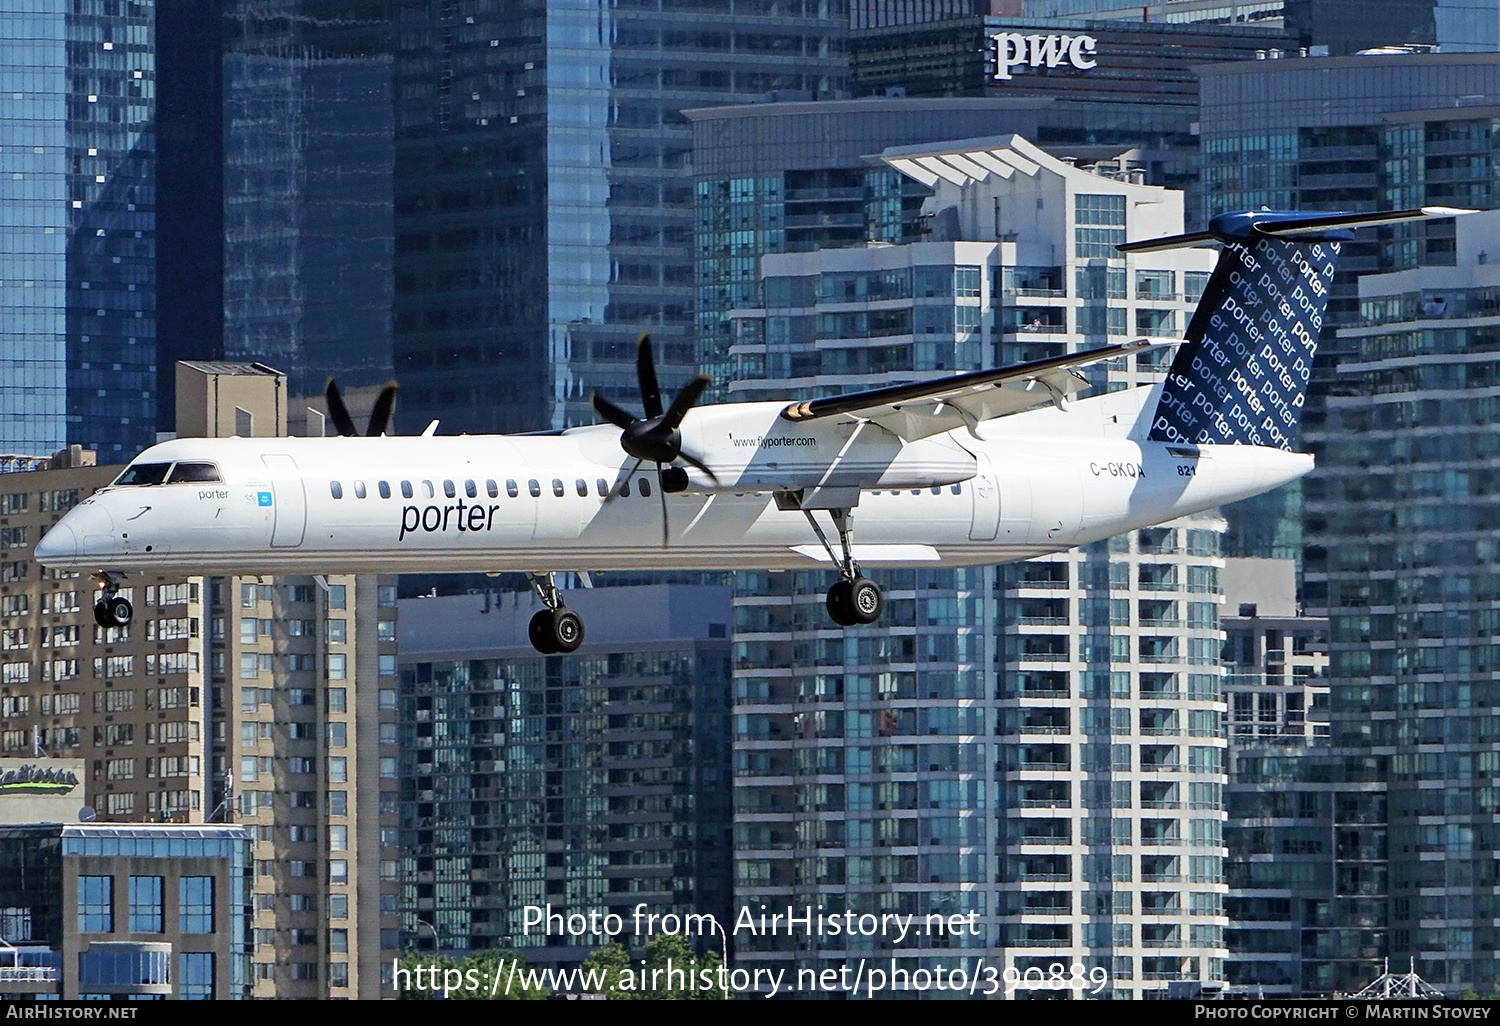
pixel 1253 752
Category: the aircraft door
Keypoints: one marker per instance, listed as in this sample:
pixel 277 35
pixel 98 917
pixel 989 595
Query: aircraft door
pixel 289 501
pixel 985 488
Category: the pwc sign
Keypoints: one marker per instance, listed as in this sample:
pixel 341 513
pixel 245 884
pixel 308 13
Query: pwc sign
pixel 1016 49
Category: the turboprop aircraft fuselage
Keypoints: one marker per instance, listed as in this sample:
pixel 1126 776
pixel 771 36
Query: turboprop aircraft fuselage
pixel 1033 483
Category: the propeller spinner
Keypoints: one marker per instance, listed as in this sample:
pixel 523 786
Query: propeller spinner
pixel 656 436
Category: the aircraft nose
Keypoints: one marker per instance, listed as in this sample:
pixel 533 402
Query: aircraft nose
pixel 59 545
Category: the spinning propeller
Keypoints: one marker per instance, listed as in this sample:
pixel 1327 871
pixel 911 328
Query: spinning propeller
pixel 655 436
pixel 380 413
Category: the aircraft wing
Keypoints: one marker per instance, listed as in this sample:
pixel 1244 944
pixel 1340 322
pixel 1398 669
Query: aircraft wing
pixel 965 400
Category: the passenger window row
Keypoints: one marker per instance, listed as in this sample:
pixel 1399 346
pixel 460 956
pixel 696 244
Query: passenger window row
pixel 491 488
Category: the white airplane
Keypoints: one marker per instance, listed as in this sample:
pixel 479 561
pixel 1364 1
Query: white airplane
pixel 984 467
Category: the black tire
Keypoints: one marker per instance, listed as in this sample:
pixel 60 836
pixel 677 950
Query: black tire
pixel 865 600
pixel 840 605
pixel 540 632
pixel 117 612
pixel 101 614
pixel 566 627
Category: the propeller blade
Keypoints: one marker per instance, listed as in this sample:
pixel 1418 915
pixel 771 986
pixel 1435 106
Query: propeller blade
pixel 696 462
pixel 686 400
pixel 337 411
pixel 380 415
pixel 662 491
pixel 645 372
pixel 610 412
pixel 622 483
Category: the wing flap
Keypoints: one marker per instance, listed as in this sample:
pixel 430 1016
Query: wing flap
pixel 966 400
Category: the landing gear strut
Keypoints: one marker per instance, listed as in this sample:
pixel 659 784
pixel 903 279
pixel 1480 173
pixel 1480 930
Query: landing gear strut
pixel 856 599
pixel 111 610
pixel 556 629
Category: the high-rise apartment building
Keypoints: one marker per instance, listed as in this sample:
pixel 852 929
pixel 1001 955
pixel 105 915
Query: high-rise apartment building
pixel 1401 553
pixel 1039 744
pixel 77 276
pixel 257 701
pixel 595 782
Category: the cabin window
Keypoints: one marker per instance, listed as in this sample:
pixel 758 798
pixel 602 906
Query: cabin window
pixel 144 474
pixel 493 489
pixel 625 487
pixel 603 487
pixel 385 490
pixel 957 489
pixel 644 484
pixel 535 487
pixel 406 489
pixel 359 489
pixel 337 489
pixel 470 490
pixel 936 490
pixel 583 488
pixel 194 472
pixel 557 487
pixel 427 486
pixel 511 489
pixel 449 490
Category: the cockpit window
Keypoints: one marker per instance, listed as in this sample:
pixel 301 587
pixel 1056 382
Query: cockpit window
pixel 194 472
pixel 144 474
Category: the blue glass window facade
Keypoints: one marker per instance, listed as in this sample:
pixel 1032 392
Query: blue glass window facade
pixel 96 904
pixel 195 976
pixel 195 904
pixel 146 910
pixel 77 277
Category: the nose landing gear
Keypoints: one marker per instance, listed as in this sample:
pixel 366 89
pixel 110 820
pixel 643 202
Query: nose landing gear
pixel 111 610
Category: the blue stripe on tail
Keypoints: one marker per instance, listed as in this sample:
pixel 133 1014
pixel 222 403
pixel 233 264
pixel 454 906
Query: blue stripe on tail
pixel 1242 376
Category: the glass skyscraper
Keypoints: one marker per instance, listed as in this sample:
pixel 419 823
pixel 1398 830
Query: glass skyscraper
pixel 544 213
pixel 77 269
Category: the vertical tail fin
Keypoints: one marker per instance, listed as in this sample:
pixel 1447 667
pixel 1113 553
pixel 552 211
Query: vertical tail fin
pixel 1242 377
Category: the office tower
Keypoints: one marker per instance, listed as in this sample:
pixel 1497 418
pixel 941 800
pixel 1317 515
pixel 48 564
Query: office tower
pixel 308 162
pixel 874 13
pixel 1401 554
pixel 864 777
pixel 1106 87
pixel 190 174
pixel 1337 27
pixel 597 781
pixel 115 912
pixel 543 218
pixel 78 300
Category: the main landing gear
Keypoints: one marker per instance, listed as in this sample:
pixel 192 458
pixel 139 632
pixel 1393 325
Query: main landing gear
pixel 856 599
pixel 556 629
pixel 111 610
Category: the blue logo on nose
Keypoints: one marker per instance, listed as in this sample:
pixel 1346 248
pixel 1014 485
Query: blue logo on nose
pixel 264 498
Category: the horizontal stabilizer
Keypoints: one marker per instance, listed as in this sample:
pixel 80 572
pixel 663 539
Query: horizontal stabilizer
pixel 1249 225
pixel 1169 242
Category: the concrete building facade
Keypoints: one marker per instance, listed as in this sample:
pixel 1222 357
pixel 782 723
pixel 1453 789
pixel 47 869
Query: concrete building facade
pixel 1039 745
